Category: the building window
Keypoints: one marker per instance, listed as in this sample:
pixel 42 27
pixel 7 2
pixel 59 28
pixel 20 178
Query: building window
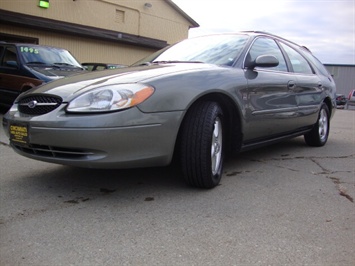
pixel 120 16
pixel 17 38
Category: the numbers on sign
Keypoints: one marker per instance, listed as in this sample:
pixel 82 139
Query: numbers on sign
pixel 31 50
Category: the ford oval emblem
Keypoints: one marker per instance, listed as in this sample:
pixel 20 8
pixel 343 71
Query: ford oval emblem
pixel 32 104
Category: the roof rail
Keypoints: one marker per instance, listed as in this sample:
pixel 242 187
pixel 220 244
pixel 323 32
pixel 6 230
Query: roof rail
pixel 274 35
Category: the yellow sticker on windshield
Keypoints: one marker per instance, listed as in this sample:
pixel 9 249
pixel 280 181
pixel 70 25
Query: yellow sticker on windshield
pixel 31 50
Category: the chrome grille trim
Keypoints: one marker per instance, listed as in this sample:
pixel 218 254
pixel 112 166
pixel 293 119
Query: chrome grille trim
pixel 38 104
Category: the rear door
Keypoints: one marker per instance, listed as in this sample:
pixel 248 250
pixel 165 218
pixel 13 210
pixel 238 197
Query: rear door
pixel 309 87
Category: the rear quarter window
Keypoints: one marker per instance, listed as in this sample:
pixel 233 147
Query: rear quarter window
pixel 321 68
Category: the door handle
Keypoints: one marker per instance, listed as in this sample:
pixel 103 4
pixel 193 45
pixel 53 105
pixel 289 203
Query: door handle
pixel 291 85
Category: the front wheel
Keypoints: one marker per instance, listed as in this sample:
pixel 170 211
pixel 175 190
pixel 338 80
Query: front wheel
pixel 318 136
pixel 202 145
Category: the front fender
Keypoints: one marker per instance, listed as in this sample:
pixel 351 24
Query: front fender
pixel 177 92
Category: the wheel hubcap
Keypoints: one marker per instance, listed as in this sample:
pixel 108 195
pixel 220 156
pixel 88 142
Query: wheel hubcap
pixel 323 125
pixel 216 149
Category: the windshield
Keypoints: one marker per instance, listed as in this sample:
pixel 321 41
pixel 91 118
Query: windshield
pixel 215 49
pixel 47 55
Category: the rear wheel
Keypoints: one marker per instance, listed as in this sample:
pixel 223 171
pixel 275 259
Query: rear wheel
pixel 318 136
pixel 202 145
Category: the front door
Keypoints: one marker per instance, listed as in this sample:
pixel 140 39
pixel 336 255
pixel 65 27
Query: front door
pixel 270 100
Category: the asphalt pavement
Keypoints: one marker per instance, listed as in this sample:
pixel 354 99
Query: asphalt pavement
pixel 286 204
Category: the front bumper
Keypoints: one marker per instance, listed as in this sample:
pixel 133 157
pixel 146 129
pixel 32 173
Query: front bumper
pixel 127 139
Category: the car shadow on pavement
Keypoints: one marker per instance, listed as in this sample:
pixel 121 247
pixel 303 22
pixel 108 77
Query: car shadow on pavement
pixel 75 185
pixel 95 182
pixel 55 187
pixel 62 180
pixel 48 187
pixel 113 180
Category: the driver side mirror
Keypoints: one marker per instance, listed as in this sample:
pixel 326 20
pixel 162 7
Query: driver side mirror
pixel 263 61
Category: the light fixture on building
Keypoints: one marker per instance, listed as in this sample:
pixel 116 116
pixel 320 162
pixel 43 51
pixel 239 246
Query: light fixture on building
pixel 43 3
pixel 148 5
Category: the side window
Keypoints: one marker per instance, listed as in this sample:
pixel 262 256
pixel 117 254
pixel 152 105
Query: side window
pixel 298 62
pixel 100 68
pixel 89 67
pixel 266 46
pixel 10 57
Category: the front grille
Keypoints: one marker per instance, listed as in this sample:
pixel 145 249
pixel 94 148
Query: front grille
pixel 38 104
pixel 53 152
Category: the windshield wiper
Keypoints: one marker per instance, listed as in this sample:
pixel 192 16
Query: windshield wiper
pixel 56 65
pixel 35 63
pixel 41 64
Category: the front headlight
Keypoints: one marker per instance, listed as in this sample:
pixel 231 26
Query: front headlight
pixel 111 98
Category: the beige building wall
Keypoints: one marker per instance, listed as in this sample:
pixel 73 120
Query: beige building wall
pixel 160 21
pixel 85 50
pixel 154 19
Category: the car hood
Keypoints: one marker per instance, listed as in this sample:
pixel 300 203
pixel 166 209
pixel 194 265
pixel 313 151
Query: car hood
pixel 49 73
pixel 69 87
pixel 55 73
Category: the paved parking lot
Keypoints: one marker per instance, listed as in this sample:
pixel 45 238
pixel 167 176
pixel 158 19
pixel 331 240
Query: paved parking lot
pixel 284 204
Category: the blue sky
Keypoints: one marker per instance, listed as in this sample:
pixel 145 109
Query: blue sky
pixel 326 27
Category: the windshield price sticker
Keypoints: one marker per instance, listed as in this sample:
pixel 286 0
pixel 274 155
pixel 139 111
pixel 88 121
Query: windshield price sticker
pixel 25 49
pixel 19 134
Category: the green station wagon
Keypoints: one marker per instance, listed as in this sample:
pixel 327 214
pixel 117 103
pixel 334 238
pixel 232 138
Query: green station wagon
pixel 197 101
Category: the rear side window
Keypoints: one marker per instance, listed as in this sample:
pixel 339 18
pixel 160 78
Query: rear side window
pixel 298 62
pixel 266 46
pixel 317 63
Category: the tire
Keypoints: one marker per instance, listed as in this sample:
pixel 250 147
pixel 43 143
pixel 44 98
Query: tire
pixel 318 136
pixel 202 149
